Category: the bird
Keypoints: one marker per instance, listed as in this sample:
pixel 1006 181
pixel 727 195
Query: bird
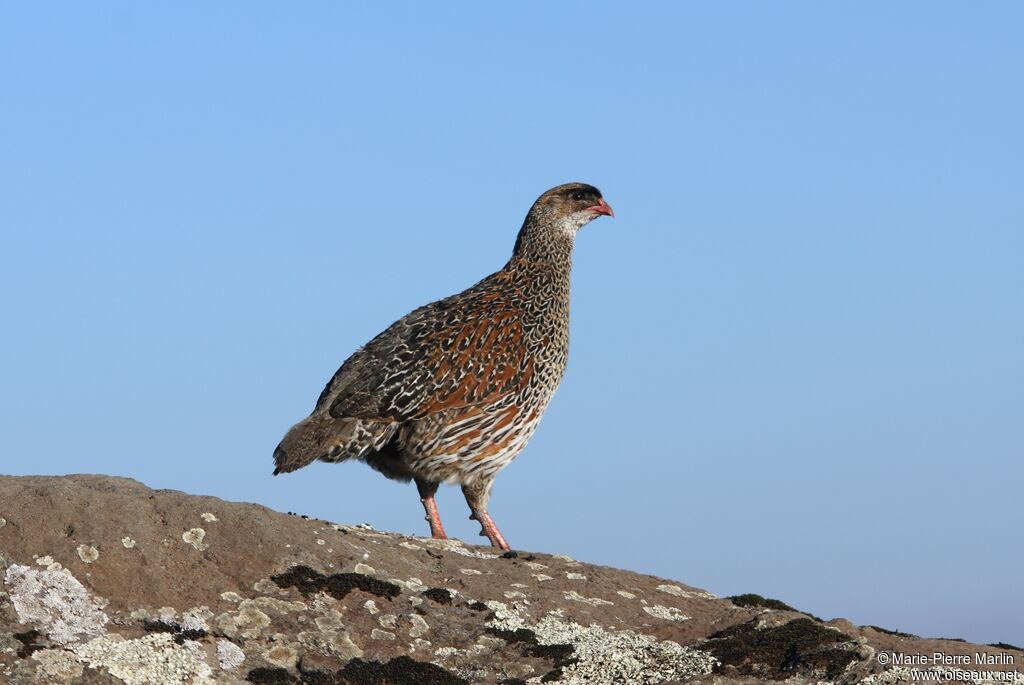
pixel 453 391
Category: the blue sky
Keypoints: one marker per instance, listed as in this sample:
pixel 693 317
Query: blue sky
pixel 796 363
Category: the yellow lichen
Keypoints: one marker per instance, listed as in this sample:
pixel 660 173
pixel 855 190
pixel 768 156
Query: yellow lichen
pixel 247 622
pixel 281 655
pixel 57 664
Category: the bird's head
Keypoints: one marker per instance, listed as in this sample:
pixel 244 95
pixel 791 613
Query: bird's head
pixel 570 207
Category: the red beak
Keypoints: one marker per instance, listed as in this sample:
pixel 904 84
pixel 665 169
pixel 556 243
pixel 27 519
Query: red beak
pixel 602 207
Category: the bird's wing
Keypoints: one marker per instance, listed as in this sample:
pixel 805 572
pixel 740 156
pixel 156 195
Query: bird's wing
pixel 467 350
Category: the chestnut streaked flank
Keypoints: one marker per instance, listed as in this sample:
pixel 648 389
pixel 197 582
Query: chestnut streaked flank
pixel 453 391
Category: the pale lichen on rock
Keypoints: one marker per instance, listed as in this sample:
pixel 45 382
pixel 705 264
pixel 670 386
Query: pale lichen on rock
pixel 266 586
pixel 412 585
pixel 278 606
pixel 147 660
pixel 336 642
pixel 457 547
pixel 55 603
pixel 247 622
pixel 195 619
pixel 667 613
pixel 592 601
pixel 229 655
pixel 604 657
pixel 88 553
pixel 329 621
pixel 58 664
pixel 284 656
pixel 681 592
pixel 420 627
pixel 194 537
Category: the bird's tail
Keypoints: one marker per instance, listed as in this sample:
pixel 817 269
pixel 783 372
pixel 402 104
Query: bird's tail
pixel 315 437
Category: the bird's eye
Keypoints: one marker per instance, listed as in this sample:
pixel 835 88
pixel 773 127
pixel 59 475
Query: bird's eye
pixel 578 195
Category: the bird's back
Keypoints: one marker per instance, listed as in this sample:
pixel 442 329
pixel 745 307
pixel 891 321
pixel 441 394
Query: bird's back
pixel 470 349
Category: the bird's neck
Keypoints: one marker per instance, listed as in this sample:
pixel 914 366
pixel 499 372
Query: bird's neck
pixel 541 264
pixel 543 249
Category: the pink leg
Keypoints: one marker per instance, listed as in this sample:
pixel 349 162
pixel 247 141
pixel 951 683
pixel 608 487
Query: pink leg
pixel 433 517
pixel 490 531
pixel 477 494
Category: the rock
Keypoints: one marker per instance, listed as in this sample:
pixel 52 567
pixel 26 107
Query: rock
pixel 108 581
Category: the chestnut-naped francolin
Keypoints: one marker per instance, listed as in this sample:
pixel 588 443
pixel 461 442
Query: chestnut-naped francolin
pixel 454 390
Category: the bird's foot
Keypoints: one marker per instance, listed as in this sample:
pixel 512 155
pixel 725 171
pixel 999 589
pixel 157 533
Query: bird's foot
pixel 436 529
pixel 476 494
pixel 433 517
pixel 490 531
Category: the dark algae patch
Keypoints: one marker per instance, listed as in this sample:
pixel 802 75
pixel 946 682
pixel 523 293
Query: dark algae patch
pixel 524 635
pixel 271 676
pixel 337 585
pixel 177 632
pixel 1006 645
pixel 29 643
pixel 439 595
pixel 891 632
pixel 398 671
pixel 778 653
pixel 561 655
pixel 752 600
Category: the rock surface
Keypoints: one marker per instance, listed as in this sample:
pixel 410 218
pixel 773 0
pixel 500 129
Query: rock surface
pixel 106 581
